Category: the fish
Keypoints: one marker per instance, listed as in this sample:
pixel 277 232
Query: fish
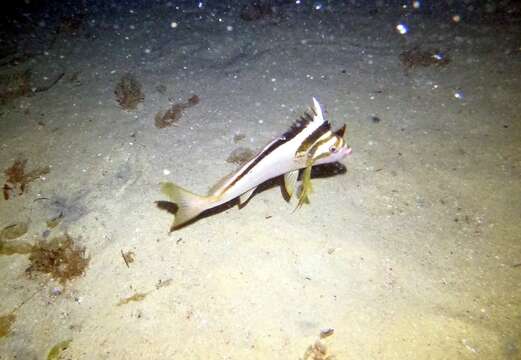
pixel 310 141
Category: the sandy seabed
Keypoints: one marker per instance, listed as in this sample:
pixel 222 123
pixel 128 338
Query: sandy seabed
pixel 411 250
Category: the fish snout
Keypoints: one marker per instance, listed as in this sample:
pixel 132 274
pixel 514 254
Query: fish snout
pixel 346 151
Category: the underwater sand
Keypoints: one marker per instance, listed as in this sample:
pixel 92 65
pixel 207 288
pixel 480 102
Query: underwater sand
pixel 411 252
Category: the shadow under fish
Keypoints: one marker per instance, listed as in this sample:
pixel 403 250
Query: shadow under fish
pixel 309 142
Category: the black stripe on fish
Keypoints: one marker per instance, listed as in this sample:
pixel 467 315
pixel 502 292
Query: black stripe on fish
pixel 312 138
pixel 313 150
pixel 297 127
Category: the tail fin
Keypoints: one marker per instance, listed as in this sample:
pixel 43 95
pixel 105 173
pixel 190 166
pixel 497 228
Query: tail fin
pixel 189 204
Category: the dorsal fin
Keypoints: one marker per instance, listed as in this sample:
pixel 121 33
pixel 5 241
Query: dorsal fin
pixel 311 120
pixel 310 125
pixel 341 132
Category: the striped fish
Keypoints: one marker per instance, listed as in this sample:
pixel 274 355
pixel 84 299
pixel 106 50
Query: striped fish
pixel 308 142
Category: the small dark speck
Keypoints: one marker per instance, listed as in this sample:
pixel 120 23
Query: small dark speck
pixel 505 126
pixel 326 332
pixel 344 71
pixel 375 119
pixel 268 217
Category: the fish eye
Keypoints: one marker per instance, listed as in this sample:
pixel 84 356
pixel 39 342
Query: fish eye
pixel 333 149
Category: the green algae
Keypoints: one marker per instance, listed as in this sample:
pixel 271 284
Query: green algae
pixel 56 350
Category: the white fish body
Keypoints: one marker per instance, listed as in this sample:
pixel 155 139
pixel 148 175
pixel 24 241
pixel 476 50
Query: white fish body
pixel 309 142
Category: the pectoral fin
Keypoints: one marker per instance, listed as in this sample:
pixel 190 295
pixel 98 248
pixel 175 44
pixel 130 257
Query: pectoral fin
pixel 243 199
pixel 306 187
pixel 290 180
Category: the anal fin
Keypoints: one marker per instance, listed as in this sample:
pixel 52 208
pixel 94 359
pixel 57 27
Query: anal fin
pixel 243 199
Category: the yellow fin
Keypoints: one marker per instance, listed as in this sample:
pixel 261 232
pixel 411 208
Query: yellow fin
pixel 189 205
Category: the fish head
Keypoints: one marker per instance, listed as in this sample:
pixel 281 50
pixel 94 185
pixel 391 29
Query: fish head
pixel 331 148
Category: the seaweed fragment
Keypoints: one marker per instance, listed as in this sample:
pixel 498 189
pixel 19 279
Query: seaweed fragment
pixel 417 57
pixel 17 178
pixel 238 137
pixel 74 78
pixel 169 117
pixel 173 115
pixel 6 322
pixel 163 283
pixel 135 297
pixel 13 231
pixel 324 333
pixel 15 85
pixel 56 350
pixel 128 92
pixel 52 223
pixel 10 233
pixel 128 257
pixel 15 247
pixel 240 155
pixel 19 84
pixel 319 349
pixel 60 257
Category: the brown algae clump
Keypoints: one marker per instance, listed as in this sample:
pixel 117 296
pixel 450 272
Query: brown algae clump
pixel 18 178
pixel 240 155
pixel 15 85
pixel 416 57
pixel 128 257
pixel 6 322
pixel 14 247
pixel 173 115
pixel 128 92
pixel 60 257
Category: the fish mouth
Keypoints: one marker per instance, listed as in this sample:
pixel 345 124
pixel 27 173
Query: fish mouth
pixel 346 151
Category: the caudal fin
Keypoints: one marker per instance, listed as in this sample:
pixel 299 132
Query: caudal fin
pixel 189 205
